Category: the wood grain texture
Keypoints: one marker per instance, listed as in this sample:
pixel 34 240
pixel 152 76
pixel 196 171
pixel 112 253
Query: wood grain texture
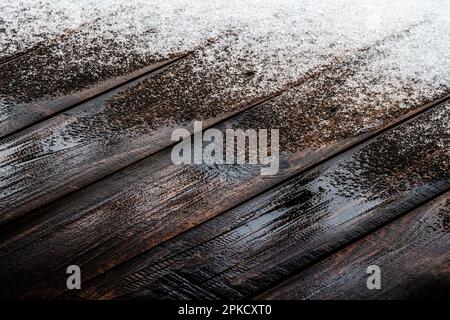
pixel 39 164
pixel 140 207
pixel 246 249
pixel 106 134
pixel 412 252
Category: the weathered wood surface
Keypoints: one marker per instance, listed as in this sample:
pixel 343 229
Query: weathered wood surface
pixel 99 137
pixel 323 208
pixel 38 80
pixel 255 245
pixel 114 130
pixel 328 104
pixel 412 252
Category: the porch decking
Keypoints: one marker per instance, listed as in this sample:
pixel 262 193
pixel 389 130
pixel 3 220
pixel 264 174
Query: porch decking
pixel 87 177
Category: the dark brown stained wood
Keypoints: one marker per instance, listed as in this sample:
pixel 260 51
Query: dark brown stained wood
pixel 99 137
pixel 109 132
pixel 30 162
pixel 152 201
pixel 242 251
pixel 412 252
pixel 86 176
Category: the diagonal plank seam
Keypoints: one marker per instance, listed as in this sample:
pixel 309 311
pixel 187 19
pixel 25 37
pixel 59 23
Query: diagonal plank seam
pixel 142 73
pixel 17 56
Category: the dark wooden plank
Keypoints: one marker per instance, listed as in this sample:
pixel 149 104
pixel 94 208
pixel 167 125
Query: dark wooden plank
pixel 99 137
pixel 273 234
pixel 330 113
pixel 413 254
pixel 45 153
pixel 242 251
pixel 38 84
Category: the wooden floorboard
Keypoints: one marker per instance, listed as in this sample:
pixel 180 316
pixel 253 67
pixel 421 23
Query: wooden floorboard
pixel 23 116
pixel 107 133
pixel 315 212
pixel 413 254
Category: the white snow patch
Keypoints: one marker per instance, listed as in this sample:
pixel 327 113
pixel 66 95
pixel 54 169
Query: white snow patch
pixel 278 41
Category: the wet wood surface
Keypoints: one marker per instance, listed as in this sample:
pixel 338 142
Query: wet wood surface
pixel 413 254
pixel 323 208
pixel 87 176
pixel 242 251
